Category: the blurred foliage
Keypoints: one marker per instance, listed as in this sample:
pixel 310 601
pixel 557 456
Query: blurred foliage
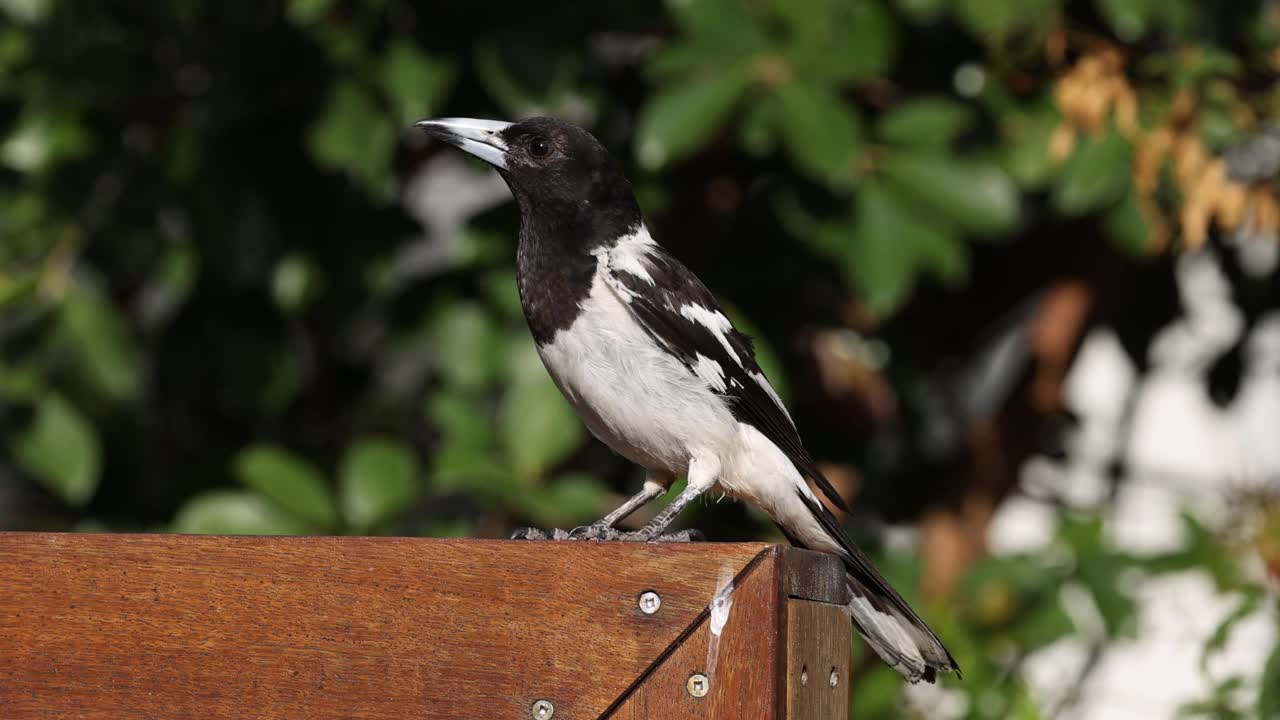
pixel 212 318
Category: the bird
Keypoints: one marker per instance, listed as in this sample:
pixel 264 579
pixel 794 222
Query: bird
pixel 655 369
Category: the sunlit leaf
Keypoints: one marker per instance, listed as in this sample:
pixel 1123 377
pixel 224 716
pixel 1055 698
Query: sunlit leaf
pixel 235 512
pixel 1096 174
pixel 413 80
pixel 289 481
pixel 537 426
pixel 467 345
pixel 977 196
pixel 1129 19
pixel 295 283
pixel 61 449
pixel 894 241
pixel 566 500
pixel 927 122
pixel 378 479
pixel 679 118
pixel 1025 151
pixel 821 131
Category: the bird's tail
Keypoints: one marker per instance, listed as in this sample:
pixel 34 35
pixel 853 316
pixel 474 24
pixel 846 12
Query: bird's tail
pixel 880 614
pixel 892 629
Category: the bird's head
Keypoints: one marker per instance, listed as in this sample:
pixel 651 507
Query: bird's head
pixel 550 165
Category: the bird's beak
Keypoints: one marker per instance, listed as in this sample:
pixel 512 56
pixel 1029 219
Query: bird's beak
pixel 481 138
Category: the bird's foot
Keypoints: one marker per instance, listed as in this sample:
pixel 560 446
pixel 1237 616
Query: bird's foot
pixel 604 533
pixel 648 535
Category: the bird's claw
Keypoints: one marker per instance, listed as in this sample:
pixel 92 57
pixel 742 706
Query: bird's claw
pixel 604 533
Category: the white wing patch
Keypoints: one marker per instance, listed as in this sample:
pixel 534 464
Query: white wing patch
pixel 629 256
pixel 710 372
pixel 714 321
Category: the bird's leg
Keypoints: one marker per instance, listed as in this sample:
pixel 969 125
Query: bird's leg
pixel 703 472
pixel 654 485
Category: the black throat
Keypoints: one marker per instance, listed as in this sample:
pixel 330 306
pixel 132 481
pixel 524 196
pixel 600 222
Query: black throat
pixel 554 263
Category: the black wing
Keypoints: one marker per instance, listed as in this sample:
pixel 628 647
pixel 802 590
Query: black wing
pixel 683 316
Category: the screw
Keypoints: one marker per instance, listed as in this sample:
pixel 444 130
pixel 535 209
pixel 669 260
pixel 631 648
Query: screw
pixel 542 710
pixel 649 602
pixel 698 685
pixel 835 677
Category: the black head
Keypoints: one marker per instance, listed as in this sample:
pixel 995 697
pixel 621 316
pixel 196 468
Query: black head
pixel 561 176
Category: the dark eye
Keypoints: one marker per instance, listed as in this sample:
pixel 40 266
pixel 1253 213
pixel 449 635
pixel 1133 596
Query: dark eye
pixel 539 148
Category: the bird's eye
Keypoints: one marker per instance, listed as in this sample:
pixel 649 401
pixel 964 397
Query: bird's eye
pixel 539 148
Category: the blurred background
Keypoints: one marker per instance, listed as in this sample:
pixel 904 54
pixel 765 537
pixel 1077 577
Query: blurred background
pixel 1012 264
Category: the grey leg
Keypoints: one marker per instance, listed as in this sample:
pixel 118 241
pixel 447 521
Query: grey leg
pixel 703 472
pixel 653 487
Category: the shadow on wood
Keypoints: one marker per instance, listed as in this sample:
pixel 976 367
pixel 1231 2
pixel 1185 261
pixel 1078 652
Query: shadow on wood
pixel 171 626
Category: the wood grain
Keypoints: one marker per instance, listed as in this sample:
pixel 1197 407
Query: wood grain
pixel 817 679
pixel 786 612
pixel 740 659
pixel 167 626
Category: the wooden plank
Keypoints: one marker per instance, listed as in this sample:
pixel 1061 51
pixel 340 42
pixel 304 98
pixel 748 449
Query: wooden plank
pixel 166 626
pixel 817 674
pixel 814 576
pixel 744 627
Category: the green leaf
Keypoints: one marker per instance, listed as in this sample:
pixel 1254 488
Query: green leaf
pixel 1269 695
pixel 377 479
pixel 995 20
pixel 100 337
pixel 234 512
pixel 1097 174
pixel 679 118
pixel 1126 226
pixel 566 500
pixel 414 81
pixel 43 140
pixel 466 344
pixel 977 196
pixel 1248 604
pixel 1025 151
pixel 61 449
pixel 877 694
pixel 289 481
pixel 840 42
pixel 929 122
pixel 923 11
pixel 304 12
pixel 536 425
pixel 354 136
pixel 1129 19
pixel 467 458
pixel 726 28
pixel 295 283
pixel 759 127
pixel 820 130
pixel 893 242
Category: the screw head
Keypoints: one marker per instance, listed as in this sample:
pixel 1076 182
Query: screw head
pixel 542 710
pixel 698 685
pixel 835 677
pixel 649 602
pixel 804 676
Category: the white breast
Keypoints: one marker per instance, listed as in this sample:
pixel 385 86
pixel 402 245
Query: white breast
pixel 633 395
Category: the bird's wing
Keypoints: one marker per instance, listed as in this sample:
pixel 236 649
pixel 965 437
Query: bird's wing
pixel 684 318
